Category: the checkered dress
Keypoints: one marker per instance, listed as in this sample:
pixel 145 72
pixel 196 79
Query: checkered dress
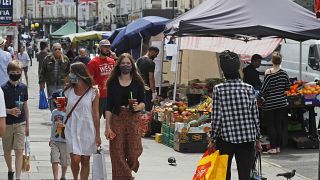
pixel 235 112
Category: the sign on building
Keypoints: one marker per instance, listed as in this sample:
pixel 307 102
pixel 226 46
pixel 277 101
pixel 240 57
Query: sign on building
pixel 6 11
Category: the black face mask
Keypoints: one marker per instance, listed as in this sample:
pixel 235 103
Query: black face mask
pixel 14 77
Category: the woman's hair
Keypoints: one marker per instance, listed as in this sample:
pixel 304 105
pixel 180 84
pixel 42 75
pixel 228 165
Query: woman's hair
pixel 80 69
pixel 14 65
pixel 276 58
pixel 134 72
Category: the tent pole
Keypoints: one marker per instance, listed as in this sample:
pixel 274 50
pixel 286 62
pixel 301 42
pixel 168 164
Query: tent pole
pixel 300 62
pixel 161 71
pixel 177 68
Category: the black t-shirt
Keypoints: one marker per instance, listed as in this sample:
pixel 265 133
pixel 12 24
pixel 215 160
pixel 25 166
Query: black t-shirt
pixel 251 76
pixel 145 65
pixel 11 94
pixel 125 95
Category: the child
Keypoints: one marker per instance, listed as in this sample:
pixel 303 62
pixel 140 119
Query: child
pixel 57 140
pixel 17 120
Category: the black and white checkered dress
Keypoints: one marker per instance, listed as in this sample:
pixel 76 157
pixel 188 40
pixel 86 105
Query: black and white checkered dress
pixel 235 112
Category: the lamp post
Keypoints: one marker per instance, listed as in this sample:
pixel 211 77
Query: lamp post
pixel 77 6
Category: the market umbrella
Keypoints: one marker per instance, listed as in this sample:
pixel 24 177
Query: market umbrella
pixel 132 36
pixel 114 34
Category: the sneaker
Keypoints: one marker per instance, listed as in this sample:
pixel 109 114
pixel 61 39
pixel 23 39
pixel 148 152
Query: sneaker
pixel 10 175
pixel 278 150
pixel 272 151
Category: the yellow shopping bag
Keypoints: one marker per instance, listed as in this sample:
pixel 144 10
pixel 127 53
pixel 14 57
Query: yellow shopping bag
pixel 212 166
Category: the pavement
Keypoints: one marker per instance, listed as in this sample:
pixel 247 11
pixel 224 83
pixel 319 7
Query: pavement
pixel 153 162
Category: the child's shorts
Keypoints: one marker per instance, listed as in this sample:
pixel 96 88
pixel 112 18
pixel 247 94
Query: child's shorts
pixel 13 138
pixel 59 153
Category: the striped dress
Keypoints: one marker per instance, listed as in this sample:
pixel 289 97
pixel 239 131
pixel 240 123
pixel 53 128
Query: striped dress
pixel 273 88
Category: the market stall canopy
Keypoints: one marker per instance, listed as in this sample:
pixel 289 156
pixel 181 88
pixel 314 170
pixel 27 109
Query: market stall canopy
pixel 131 36
pixel 264 47
pixel 244 19
pixel 68 28
pixel 91 35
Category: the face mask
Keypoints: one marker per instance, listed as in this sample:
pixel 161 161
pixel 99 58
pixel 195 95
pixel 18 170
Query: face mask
pixel 73 78
pixel 125 69
pixel 14 77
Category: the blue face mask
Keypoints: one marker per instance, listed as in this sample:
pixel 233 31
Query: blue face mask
pixel 73 78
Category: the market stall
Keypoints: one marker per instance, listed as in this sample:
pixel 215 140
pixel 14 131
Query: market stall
pixel 244 20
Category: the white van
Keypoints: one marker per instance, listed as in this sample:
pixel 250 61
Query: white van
pixel 290 51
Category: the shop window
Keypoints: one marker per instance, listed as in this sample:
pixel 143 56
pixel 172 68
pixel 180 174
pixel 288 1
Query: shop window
pixel 313 57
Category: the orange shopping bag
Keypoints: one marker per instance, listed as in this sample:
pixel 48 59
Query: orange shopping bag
pixel 212 166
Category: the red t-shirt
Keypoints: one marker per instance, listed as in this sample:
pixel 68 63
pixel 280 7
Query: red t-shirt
pixel 100 70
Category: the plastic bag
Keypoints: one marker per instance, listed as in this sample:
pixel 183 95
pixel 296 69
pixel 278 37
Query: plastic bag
pixel 256 171
pixel 26 155
pixel 43 103
pixel 212 166
pixel 99 171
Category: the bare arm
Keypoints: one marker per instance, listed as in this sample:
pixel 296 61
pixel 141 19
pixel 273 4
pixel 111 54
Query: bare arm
pixel 2 126
pixel 26 111
pixel 96 119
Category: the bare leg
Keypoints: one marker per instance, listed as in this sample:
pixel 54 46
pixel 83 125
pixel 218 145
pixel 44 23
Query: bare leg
pixel 85 167
pixel 55 170
pixel 8 159
pixel 75 160
pixel 64 171
pixel 18 162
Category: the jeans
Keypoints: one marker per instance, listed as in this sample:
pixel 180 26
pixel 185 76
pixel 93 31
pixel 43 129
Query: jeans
pixel 244 154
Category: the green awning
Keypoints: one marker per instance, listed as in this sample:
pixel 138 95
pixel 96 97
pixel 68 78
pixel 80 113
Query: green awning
pixel 68 28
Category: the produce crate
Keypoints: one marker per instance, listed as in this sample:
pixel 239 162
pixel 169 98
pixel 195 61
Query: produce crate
pixel 183 137
pixel 167 134
pixel 296 101
pixel 190 147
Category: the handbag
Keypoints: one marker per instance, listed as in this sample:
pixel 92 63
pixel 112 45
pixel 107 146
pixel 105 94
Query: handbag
pixel 256 171
pixel 26 155
pixel 212 166
pixel 69 114
pixel 43 103
pixel 99 171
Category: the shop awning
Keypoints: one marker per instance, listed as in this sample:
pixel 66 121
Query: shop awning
pixel 68 28
pixel 264 47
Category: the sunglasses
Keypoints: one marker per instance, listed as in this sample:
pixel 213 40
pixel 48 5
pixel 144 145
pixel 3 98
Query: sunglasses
pixel 57 49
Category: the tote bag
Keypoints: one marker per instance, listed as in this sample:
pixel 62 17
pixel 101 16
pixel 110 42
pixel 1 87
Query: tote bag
pixel 43 103
pixel 99 171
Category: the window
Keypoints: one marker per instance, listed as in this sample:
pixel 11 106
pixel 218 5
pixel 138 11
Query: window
pixel 169 3
pixel 313 58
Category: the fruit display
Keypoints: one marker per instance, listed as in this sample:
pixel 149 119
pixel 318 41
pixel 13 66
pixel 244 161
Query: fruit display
pixel 303 88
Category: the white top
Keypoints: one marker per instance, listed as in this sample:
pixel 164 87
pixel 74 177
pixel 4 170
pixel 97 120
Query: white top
pixel 79 131
pixel 24 58
pixel 2 105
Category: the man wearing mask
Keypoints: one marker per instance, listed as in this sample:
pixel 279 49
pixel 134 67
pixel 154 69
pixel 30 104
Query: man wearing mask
pixel 147 67
pixel 53 71
pixel 100 68
pixel 5 58
pixel 250 73
pixel 82 57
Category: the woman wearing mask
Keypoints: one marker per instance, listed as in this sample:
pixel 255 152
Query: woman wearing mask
pixel 83 126
pixel 124 86
pixel 276 82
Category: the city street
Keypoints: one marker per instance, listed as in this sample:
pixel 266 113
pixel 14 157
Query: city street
pixel 153 161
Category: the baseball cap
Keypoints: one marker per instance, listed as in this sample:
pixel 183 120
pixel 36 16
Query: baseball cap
pixel 2 41
pixel 56 93
pixel 229 62
pixel 104 42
